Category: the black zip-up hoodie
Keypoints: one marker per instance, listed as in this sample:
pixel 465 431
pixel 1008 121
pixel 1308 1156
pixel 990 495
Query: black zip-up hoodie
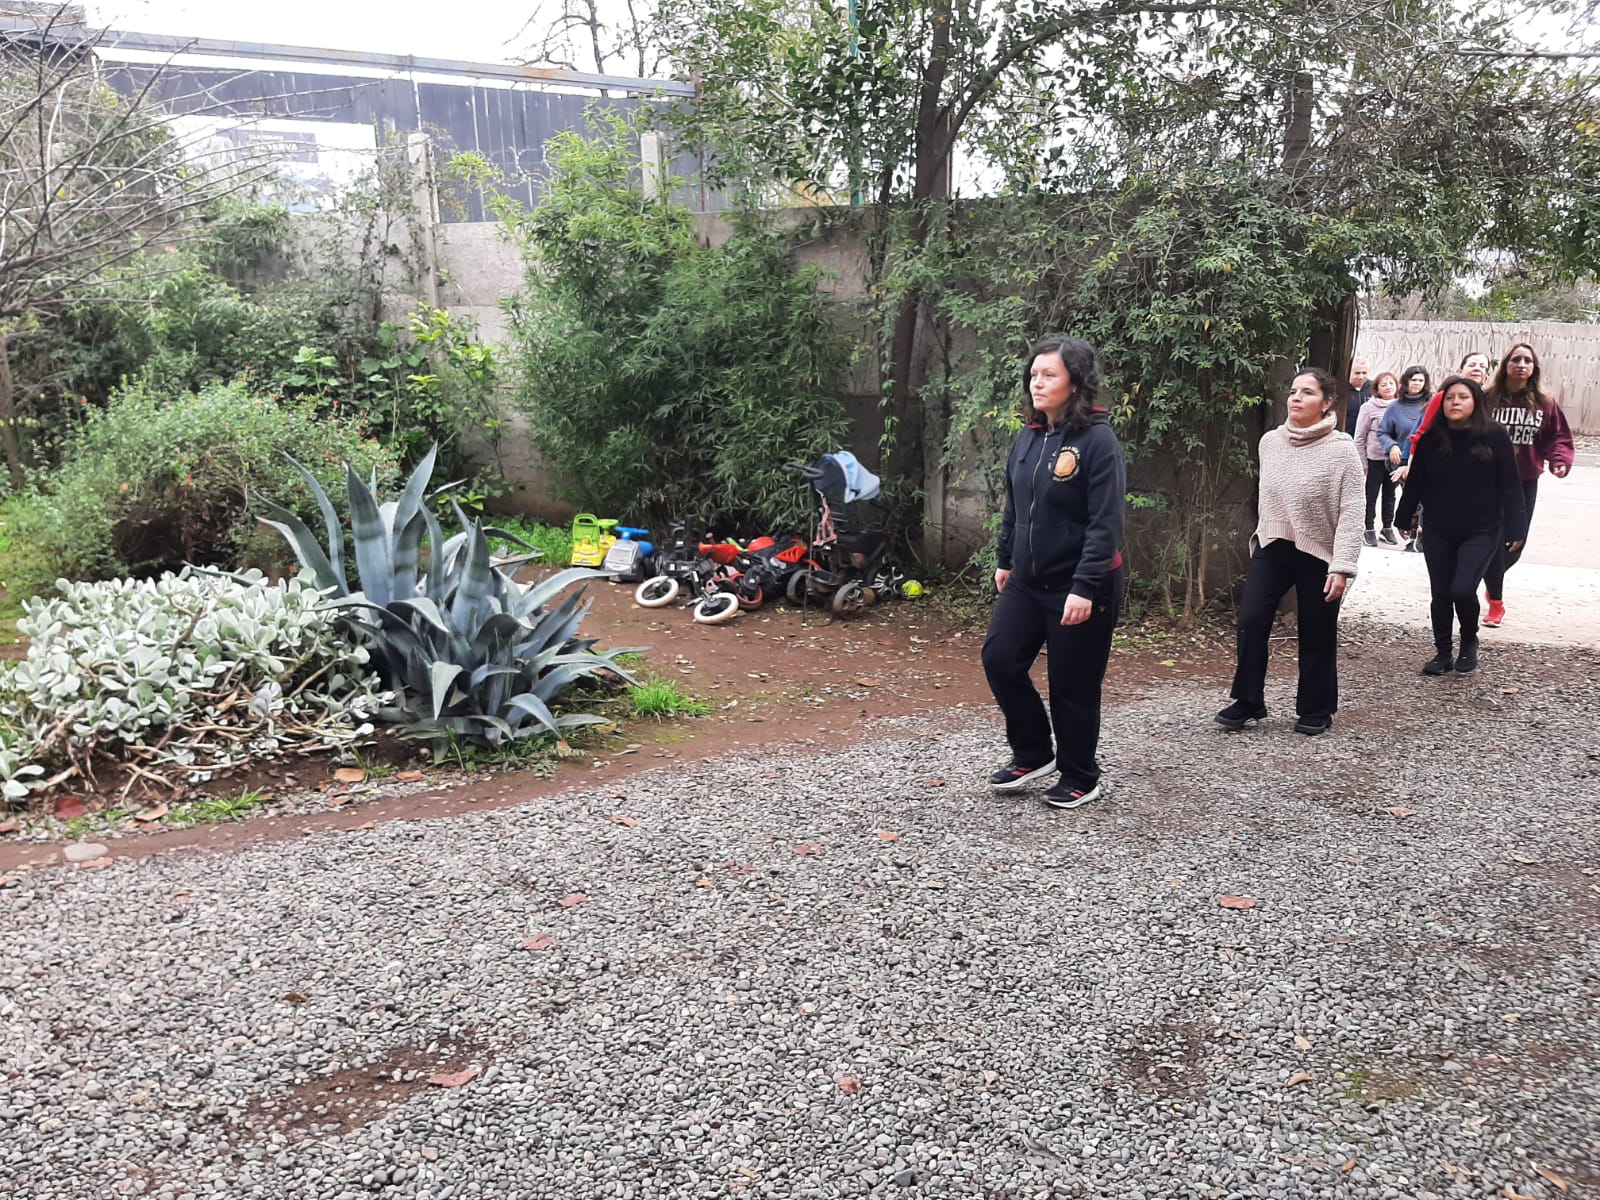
pixel 1065 498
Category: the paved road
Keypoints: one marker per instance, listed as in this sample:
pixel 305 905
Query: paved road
pixel 1552 595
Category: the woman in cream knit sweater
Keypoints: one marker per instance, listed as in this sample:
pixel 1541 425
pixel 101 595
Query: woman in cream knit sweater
pixel 1308 539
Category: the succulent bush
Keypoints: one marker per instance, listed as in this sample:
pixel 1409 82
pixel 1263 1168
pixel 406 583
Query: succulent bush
pixel 471 654
pixel 179 677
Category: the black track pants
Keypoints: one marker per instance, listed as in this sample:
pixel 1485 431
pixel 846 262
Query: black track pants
pixel 1378 481
pixel 1456 562
pixel 1026 618
pixel 1494 579
pixel 1274 569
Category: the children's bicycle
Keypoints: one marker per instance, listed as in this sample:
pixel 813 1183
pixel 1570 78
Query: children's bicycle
pixel 705 570
pixel 851 566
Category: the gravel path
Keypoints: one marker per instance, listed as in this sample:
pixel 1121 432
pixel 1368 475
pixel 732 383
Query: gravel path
pixel 766 993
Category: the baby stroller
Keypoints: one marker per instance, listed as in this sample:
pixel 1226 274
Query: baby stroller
pixel 853 566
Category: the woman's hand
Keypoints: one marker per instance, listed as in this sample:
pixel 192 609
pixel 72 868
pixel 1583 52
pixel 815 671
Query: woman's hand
pixel 1399 473
pixel 1077 610
pixel 1559 470
pixel 1000 578
pixel 1335 587
pixel 1394 455
pixel 1513 547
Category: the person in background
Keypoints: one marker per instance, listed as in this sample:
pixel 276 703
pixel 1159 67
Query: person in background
pixel 1360 392
pixel 1464 472
pixel 1308 539
pixel 1398 420
pixel 1540 435
pixel 1060 577
pixel 1475 366
pixel 1385 388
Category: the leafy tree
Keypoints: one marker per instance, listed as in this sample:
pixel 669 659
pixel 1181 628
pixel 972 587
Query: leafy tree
pixel 1385 144
pixel 661 377
pixel 88 179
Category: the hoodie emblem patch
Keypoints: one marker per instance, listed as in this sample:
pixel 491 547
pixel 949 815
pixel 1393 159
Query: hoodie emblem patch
pixel 1065 465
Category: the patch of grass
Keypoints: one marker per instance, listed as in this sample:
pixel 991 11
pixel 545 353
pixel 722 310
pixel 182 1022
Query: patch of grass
pixel 661 698
pixel 552 541
pixel 216 810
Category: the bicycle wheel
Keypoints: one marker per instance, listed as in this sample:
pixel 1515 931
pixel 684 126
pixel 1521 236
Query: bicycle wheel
pixel 716 608
pixel 657 592
pixel 849 599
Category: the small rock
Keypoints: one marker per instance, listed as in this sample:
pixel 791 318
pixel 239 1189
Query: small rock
pixel 84 851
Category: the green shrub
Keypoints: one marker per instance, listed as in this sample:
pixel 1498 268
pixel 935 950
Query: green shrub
pixel 660 376
pixel 155 481
pixel 186 675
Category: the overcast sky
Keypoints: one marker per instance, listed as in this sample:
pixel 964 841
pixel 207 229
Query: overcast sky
pixel 474 29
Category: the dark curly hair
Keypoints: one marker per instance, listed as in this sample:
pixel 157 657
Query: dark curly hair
pixel 1083 368
pixel 1479 425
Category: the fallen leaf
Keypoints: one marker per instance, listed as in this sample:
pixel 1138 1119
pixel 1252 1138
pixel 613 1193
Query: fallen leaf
pixel 294 998
pixel 888 835
pixel 933 783
pixel 1397 811
pixel 350 775
pixel 572 901
pixel 1511 1018
pixel 564 749
pixel 10 881
pixel 1526 860
pixel 367 825
pixel 867 682
pixel 539 941
pixel 1512 1194
pixel 1349 1165
pixel 151 814
pixel 704 883
pixel 851 1086
pixel 338 801
pixel 1169 662
pixel 619 819
pixel 10 825
pixel 454 1078
pixel 1232 901
pixel 1509 691
pixel 935 885
pixel 1298 1078
pixel 808 848
pixel 69 807
pixel 94 864
pixel 739 868
pixel 1302 1041
pixel 409 776
pixel 1551 1177
pixel 619 795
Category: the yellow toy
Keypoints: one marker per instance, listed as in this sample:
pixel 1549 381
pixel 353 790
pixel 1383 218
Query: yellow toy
pixel 591 538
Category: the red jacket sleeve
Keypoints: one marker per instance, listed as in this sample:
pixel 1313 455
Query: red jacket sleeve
pixel 1427 419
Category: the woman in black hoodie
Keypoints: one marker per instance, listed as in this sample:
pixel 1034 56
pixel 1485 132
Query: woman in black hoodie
pixel 1060 575
pixel 1464 472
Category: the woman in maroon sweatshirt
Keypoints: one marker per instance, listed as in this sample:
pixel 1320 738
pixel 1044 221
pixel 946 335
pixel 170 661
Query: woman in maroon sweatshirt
pixel 1539 435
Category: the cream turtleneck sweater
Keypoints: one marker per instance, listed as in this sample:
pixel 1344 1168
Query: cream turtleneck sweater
pixel 1312 493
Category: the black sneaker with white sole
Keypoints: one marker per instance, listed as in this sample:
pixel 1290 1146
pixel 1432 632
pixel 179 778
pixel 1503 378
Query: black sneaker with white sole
pixel 1441 663
pixel 1240 713
pixel 1066 795
pixel 1014 775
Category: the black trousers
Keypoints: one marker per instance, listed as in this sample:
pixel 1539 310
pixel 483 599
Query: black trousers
pixel 1027 617
pixel 1456 562
pixel 1274 569
pixel 1378 481
pixel 1494 578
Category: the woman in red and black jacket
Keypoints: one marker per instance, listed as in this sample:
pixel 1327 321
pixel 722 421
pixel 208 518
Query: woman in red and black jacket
pixel 1060 575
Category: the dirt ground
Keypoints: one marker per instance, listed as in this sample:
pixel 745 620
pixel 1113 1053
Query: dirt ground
pixel 778 676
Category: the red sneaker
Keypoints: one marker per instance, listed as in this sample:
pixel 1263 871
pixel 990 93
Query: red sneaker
pixel 1496 614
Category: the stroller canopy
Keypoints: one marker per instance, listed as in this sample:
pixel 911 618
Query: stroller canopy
pixel 840 476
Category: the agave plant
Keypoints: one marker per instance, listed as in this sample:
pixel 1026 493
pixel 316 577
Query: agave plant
pixel 470 653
